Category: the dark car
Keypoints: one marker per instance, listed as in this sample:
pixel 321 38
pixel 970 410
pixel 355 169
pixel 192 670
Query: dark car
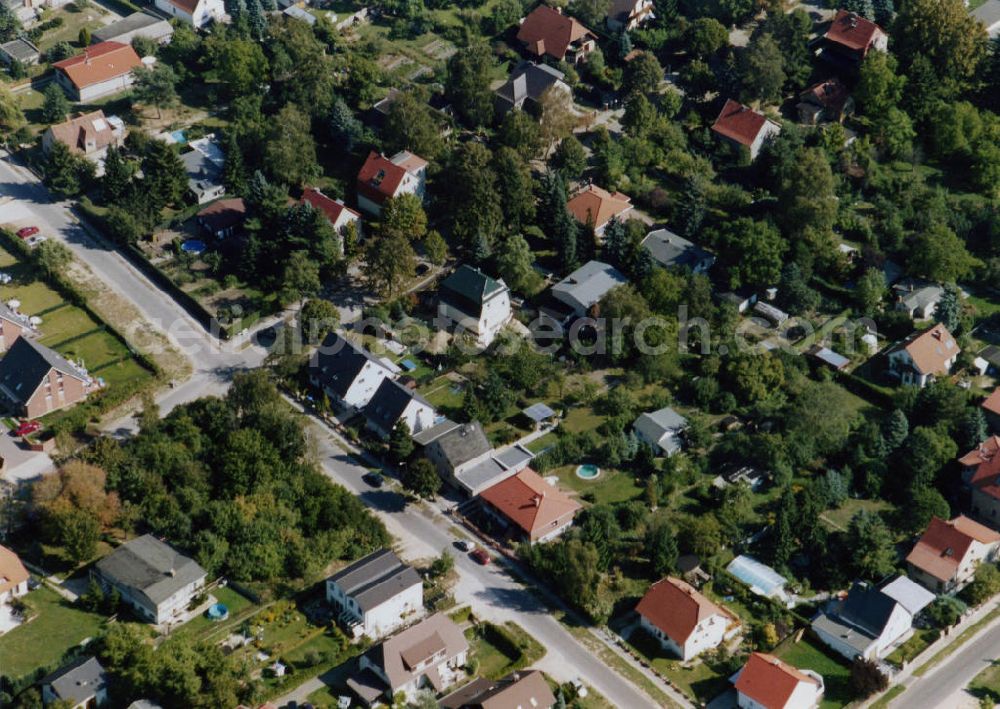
pixel 27 231
pixel 26 428
pixel 374 479
pixel 481 556
pixel 422 269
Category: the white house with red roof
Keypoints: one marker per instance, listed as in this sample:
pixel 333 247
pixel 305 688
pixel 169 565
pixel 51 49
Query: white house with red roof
pixel 765 682
pixel 337 213
pixel 923 356
pixel 529 507
pixel 196 13
pixel 101 70
pixel 13 576
pixel 382 178
pixel 743 126
pixel 948 553
pixel 851 37
pixel 684 621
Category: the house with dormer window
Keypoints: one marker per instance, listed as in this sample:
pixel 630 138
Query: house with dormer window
pixel 683 620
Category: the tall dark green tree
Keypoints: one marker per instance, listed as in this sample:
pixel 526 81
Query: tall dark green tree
pixel 468 83
pixel 557 222
pixel 56 105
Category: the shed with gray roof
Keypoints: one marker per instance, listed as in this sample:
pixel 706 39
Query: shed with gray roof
pixel 20 50
pixel 528 82
pixel 661 430
pixel 138 24
pixel 673 251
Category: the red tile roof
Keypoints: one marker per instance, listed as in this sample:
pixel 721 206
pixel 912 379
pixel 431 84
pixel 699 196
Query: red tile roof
pixel 676 608
pixel 941 548
pixel 332 208
pixel 831 94
pixel 740 123
pixel 595 205
pixel 530 502
pixel 12 571
pixel 985 461
pixel 99 62
pixel 547 31
pixel 769 681
pixel 380 176
pixel 853 31
pixel 931 350
pixel 188 6
pixel 992 402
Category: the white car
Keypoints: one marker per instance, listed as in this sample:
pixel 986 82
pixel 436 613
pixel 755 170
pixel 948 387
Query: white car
pixel 36 240
pixel 4 279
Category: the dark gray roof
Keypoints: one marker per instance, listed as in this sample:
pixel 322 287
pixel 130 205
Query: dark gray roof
pixel 140 24
pixel 389 402
pixel 150 567
pixel 588 284
pixel 464 443
pixel 78 681
pixel 538 78
pixel 20 49
pixel 467 288
pixel 429 435
pixel 338 361
pixel 670 249
pixel 867 608
pixel 375 579
pixel 25 366
pixel 203 173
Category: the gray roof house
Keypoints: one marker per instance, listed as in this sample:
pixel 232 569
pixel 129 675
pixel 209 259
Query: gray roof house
pixel 869 623
pixel 465 458
pixel 662 430
pixel 673 251
pixel 349 375
pixel 583 288
pixel 527 83
pixel 461 445
pixel 153 578
pixel 393 403
pixel 138 24
pixel 20 50
pixel 918 299
pixel 477 303
pixel 204 176
pixel 82 683
pixel 376 595
pixel 298 13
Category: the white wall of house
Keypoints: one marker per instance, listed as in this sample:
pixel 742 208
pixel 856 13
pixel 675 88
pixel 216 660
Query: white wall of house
pixel 769 129
pixel 495 315
pixel 205 11
pixel 708 634
pixel 169 609
pixel 899 626
pixel 901 363
pixel 974 556
pixel 15 592
pixel 805 696
pixel 363 387
pixel 418 416
pixel 383 620
pixel 837 644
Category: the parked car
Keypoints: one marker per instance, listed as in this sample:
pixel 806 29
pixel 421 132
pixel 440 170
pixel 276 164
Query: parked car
pixel 5 278
pixel 34 241
pixel 25 232
pixel 27 427
pixel 464 545
pixel 373 479
pixel 481 556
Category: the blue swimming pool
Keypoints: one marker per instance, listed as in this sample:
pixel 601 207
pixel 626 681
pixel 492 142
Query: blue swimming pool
pixel 587 471
pixel 193 246
pixel 218 612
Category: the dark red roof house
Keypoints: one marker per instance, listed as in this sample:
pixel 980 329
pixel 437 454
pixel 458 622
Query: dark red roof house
pixel 851 37
pixel 743 126
pixel 547 31
pixel 382 178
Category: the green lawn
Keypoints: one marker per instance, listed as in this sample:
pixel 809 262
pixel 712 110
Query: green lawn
pixel 914 646
pixel 610 487
pixel 495 656
pixel 73 22
pixel 809 655
pixel 698 680
pixel 41 642
pixel 202 627
pixel 986 685
pixel 841 517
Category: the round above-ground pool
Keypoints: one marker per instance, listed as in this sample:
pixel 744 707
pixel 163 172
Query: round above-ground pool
pixel 587 471
pixel 218 612
pixel 193 246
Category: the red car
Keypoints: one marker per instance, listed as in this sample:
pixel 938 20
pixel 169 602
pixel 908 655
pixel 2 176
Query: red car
pixel 481 556
pixel 27 231
pixel 27 428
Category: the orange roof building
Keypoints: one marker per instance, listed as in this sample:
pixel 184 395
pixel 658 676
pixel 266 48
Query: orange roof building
pixel 102 70
pixel 991 407
pixel 923 356
pixel 382 178
pixel 772 684
pixel 743 126
pixel 546 30
pixel 337 213
pixel 852 36
pixel 684 621
pixel 945 558
pixel 526 503
pixel 596 206
pixel 981 473
pixel 13 575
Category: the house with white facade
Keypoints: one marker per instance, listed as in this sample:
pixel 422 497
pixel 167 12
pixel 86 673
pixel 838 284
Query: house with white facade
pixel 474 303
pixel 945 558
pixel 394 404
pixel 744 127
pixel 630 14
pixel 13 576
pixel 101 70
pixel 922 356
pixel 661 430
pixel 867 624
pixel 683 620
pixel 151 577
pixel 382 178
pixel 82 684
pixel 584 288
pixel 765 682
pixel 337 213
pixel 348 374
pixel 196 13
pixel 376 595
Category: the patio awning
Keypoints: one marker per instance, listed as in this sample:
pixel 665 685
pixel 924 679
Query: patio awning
pixel 539 412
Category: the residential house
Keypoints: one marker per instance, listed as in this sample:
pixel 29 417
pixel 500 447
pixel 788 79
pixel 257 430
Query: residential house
pixel 196 13
pixel 630 14
pixel 594 207
pixel 989 15
pixel 526 86
pixel 546 31
pixel 923 356
pixel 382 178
pixel 138 24
pixel 82 684
pixel 909 594
pixel 101 70
pixel 981 473
pixel 474 303
pixel 429 655
pixel 851 37
pixel 204 165
pixel 765 682
pixel 673 251
pixel 867 624
pixel 35 380
pixel 948 553
pixel 349 375
pixel 464 457
pixel 529 508
pixel 151 577
pixel 19 50
pixel 12 326
pixel 584 288
pixel 745 127
pixel 337 213
pixel 392 404
pixel 828 101
pixel 13 576
pixel 223 218
pixel 89 134
pixel 526 689
pixel 682 620
pixel 918 299
pixel 661 430
pixel 376 595
pixel 990 405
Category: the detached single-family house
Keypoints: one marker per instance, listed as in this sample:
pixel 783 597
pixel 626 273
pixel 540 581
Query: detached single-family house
pixel 526 689
pixel 594 207
pixel 464 457
pixel 948 553
pixel 429 655
pixel 13 326
pixel 349 375
pixel 546 31
pixel 684 621
pixel 392 404
pixel 826 102
pixel 204 165
pixel 867 624
pixel 223 218
pixel 89 134
pixel 382 178
pixel 743 126
pixel 990 405
pixel 630 14
pixel 102 70
pixel 584 288
pixel 337 213
pixel 81 684
pixel 376 595
pixel 673 251
pixel 19 50
pixel 153 578
pixel 13 576
pixel 196 13
pixel 923 356
pixel 138 24
pixel 529 508
pixel 35 380
pixel 662 430
pixel 917 299
pixel 765 682
pixel 527 84
pixel 851 37
pixel 474 303
pixel 981 473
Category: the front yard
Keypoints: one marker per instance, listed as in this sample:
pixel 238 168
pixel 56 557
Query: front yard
pixel 697 679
